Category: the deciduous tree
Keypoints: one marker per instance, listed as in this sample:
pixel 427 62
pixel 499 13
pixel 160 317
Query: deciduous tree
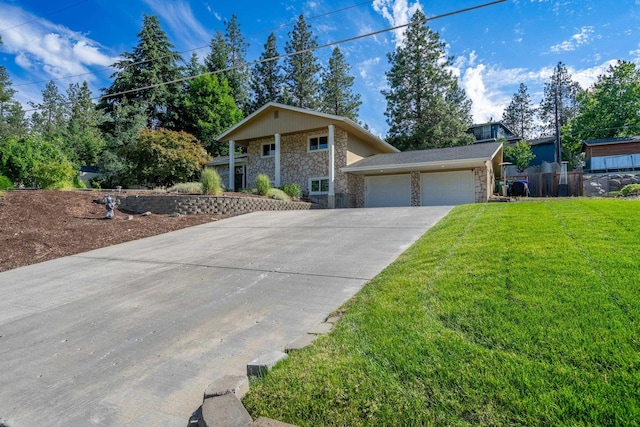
pixel 426 108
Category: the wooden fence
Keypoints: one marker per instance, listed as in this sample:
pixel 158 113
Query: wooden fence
pixel 546 184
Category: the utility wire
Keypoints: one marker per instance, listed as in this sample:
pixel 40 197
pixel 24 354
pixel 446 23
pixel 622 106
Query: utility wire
pixel 111 67
pixel 397 27
pixel 275 58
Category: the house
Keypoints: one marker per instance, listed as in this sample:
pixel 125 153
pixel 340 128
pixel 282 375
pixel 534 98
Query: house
pixel 542 148
pixel 338 163
pixel 612 154
pixel 492 132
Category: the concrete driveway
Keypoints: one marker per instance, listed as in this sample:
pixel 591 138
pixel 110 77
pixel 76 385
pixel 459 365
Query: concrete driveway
pixel 133 334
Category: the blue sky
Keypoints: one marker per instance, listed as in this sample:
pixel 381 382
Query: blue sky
pixel 495 48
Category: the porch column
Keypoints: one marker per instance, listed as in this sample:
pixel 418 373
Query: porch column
pixel 232 165
pixel 276 179
pixel 331 197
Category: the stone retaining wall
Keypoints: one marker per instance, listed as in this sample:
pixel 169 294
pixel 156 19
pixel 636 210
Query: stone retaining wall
pixel 194 204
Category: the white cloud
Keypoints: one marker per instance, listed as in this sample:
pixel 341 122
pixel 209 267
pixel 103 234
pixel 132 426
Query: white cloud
pixel 181 21
pixel 583 37
pixel 50 51
pixel 488 101
pixel 396 12
pixel 370 72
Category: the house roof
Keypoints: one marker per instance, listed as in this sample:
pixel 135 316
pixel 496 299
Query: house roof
pixel 609 141
pixel 248 128
pixel 542 141
pixel 436 159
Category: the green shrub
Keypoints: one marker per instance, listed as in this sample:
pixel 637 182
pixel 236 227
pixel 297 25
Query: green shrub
pixel 187 188
pixel 5 183
pixel 292 190
pixel 211 182
pixel 276 193
pixel 263 184
pixel 96 182
pixel 630 190
pixel 54 175
pixel 1 193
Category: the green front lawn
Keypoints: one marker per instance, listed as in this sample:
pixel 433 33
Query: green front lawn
pixel 502 314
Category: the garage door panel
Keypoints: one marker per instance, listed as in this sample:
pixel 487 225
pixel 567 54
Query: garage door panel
pixel 388 190
pixel 447 188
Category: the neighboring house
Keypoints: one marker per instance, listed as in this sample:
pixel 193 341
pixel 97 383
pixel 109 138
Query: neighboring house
pixel 492 132
pixel 612 154
pixel 542 148
pixel 338 163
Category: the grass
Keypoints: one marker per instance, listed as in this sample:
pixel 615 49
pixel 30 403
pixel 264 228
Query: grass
pixel 186 188
pixel 502 314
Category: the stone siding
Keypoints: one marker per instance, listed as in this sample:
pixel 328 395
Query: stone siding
pixel 416 196
pixel 297 163
pixel 194 204
pixel 356 189
pixel 483 178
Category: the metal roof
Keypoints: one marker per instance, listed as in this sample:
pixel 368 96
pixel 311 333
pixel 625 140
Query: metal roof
pixel 607 141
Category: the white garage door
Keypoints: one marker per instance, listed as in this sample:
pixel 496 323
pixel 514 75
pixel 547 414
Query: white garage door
pixel 447 188
pixel 388 190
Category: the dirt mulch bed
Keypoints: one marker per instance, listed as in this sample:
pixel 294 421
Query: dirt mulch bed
pixel 39 225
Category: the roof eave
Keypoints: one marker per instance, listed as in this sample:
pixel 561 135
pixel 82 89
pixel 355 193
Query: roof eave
pixel 419 166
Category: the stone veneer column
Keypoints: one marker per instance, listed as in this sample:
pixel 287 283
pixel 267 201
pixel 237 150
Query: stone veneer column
pixel 331 197
pixel 232 165
pixel 276 178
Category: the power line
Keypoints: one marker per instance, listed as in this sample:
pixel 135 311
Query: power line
pixel 397 27
pixel 40 17
pixel 275 58
pixel 189 50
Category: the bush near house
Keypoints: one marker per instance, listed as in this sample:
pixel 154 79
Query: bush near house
pixel 211 182
pixel 292 190
pixel 5 183
pixel 630 190
pixel 276 193
pixel 263 184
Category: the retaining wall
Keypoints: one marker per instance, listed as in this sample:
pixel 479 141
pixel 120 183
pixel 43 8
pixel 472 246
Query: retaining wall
pixel 194 204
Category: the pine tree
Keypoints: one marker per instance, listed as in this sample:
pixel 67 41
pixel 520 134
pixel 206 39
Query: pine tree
pixel 559 104
pixel 152 63
pixel 520 115
pixel 227 58
pixel 83 134
pixel 50 116
pixel 266 77
pixel 425 106
pixel 194 68
pixel 337 96
pixel 12 120
pixel 301 69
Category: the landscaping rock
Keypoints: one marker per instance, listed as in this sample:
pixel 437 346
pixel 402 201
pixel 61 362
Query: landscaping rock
pixel 268 422
pixel 300 343
pixel 321 329
pixel 224 411
pixel 229 384
pixel 264 363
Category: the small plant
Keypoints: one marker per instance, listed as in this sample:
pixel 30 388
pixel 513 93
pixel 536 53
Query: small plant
pixel 292 190
pixel 5 183
pixel 630 190
pixel 211 182
pixel 276 193
pixel 263 184
pixel 187 188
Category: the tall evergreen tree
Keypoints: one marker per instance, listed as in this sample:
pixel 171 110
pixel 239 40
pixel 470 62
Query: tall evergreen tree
pixel 83 133
pixel 519 116
pixel 50 116
pixel 301 69
pixel 12 120
pixel 152 63
pixel 266 77
pixel 559 104
pixel 337 96
pixel 425 106
pixel 227 58
pixel 194 68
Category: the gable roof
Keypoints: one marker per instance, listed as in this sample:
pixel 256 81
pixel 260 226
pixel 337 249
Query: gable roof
pixel 464 156
pixel 261 123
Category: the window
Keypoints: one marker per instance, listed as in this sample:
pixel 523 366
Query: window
pixel 268 150
pixel 317 143
pixel 318 185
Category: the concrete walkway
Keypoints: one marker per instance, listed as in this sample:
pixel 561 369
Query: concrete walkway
pixel 133 334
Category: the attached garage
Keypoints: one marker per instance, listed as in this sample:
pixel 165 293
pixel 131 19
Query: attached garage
pixel 387 190
pixel 443 176
pixel 447 188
